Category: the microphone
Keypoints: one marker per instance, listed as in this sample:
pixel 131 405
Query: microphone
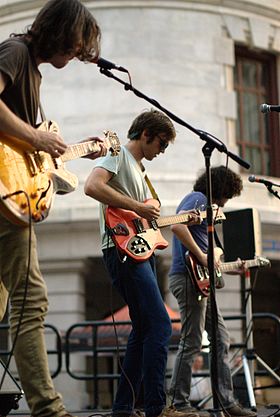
pixel 267 108
pixel 103 63
pixel 252 178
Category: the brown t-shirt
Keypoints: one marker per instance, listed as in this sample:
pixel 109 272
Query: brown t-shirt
pixel 21 94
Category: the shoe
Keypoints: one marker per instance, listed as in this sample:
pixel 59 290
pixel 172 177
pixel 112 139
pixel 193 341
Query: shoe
pixel 172 412
pixel 238 411
pixel 189 409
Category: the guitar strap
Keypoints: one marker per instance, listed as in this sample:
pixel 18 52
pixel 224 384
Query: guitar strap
pixel 217 240
pixel 150 185
pixel 42 113
pixel 219 280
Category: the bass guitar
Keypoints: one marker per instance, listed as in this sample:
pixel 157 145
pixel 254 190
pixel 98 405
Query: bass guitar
pixel 30 178
pixel 200 274
pixel 137 237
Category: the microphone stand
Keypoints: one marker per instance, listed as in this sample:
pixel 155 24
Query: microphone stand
pixel 211 143
pixel 274 192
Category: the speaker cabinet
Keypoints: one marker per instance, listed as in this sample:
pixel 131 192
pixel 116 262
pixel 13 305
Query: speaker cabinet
pixel 242 234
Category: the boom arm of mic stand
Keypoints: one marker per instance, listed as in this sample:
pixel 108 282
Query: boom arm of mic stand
pixel 207 137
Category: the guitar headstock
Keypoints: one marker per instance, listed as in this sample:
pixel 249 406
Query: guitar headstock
pixel 262 261
pixel 112 142
pixel 218 214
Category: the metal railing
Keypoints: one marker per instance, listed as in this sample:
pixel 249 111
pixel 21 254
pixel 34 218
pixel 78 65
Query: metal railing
pixel 97 340
pixel 57 351
pixel 94 344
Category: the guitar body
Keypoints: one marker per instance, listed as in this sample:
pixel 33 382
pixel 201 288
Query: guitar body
pixel 134 236
pixel 200 274
pixel 36 173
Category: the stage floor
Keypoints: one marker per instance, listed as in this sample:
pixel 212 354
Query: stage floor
pixel 267 411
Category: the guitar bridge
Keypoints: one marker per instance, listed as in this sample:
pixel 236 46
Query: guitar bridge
pixel 37 162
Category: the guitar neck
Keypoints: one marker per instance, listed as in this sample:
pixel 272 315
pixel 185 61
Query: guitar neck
pixel 231 266
pixel 79 150
pixel 176 219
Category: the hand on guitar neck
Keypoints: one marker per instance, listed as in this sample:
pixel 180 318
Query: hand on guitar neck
pixel 200 275
pixel 102 148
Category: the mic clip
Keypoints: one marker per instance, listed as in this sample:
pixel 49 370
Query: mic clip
pixel 103 64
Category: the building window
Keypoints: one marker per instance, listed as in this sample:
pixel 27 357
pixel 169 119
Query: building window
pixel 257 133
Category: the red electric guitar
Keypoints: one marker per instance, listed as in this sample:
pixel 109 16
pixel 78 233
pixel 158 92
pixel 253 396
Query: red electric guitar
pixel 200 274
pixel 138 238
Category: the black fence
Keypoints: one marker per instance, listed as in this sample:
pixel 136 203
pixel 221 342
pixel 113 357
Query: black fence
pixel 100 340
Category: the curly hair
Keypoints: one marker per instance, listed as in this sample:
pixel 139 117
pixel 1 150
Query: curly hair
pixel 225 183
pixel 155 122
pixel 60 26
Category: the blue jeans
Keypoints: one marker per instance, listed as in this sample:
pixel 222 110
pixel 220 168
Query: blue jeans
pixel 195 317
pixel 147 347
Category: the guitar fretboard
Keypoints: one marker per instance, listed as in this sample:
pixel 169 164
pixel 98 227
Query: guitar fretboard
pixel 79 150
pixel 176 218
pixel 231 266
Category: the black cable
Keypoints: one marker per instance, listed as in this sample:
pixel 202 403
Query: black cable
pixel 107 231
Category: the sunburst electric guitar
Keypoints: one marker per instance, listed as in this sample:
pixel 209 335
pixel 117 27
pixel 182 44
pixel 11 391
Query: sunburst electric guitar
pixel 137 237
pixel 30 178
pixel 200 274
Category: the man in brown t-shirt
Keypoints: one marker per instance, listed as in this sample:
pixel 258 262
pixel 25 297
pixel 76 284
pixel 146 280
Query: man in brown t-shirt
pixel 55 37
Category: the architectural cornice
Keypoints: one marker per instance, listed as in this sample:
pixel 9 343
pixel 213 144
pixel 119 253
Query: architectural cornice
pixel 14 9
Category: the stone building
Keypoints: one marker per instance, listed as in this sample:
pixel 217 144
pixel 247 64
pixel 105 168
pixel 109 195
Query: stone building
pixel 209 62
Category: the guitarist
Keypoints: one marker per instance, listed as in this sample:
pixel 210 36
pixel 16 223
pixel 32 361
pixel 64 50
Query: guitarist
pixel 120 182
pixel 63 30
pixel 195 313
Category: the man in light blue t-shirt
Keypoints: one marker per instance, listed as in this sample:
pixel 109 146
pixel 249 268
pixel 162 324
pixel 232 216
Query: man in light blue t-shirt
pixel 120 182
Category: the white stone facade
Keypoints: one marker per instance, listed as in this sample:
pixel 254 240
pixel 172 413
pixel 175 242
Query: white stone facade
pixel 180 53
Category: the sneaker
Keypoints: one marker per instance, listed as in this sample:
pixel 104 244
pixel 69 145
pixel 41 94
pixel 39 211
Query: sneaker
pixel 172 412
pixel 238 411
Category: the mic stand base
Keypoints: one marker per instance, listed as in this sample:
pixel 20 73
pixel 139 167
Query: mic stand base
pixel 10 391
pixel 8 402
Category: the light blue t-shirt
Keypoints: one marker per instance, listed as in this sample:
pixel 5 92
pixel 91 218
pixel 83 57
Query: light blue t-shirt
pixel 128 179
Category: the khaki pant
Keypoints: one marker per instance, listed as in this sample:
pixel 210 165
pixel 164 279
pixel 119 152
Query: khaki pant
pixel 30 350
pixel 3 299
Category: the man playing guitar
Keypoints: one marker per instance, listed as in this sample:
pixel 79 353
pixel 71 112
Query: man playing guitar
pixel 120 182
pixel 195 311
pixel 62 30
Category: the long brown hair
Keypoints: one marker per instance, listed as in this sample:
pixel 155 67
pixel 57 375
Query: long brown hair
pixel 60 26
